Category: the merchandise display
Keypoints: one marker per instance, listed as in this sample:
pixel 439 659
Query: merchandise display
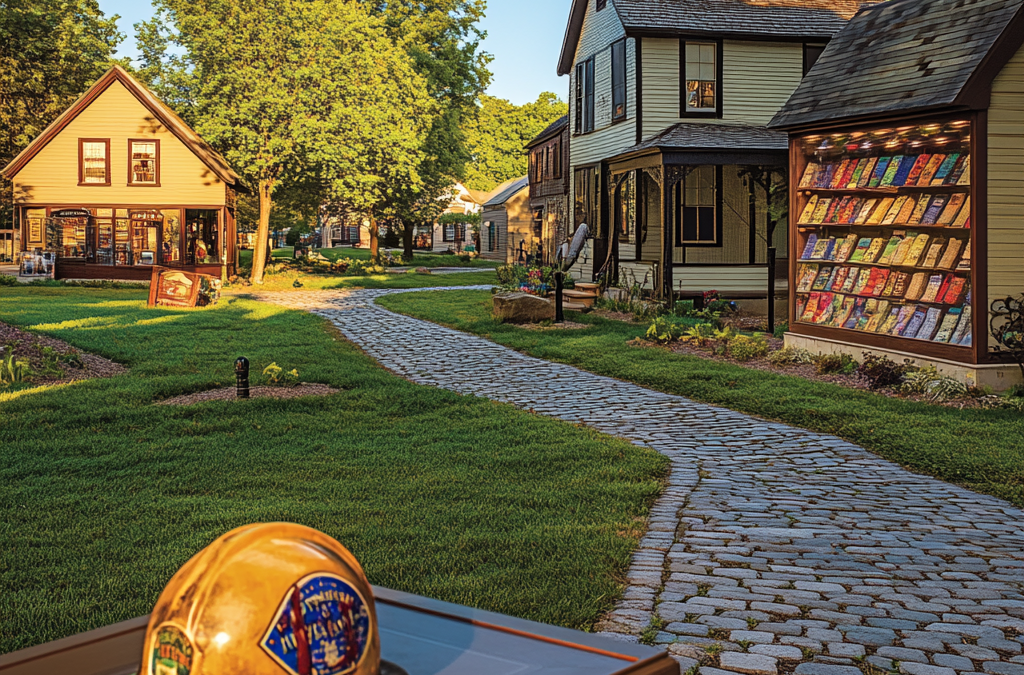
pixel 884 231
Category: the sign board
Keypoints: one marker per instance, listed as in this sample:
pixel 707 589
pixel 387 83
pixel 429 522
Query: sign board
pixel 422 636
pixel 70 213
pixel 178 288
pixel 146 215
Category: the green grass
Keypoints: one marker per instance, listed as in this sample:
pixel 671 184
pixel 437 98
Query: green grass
pixel 285 281
pixel 420 259
pixel 980 449
pixel 105 494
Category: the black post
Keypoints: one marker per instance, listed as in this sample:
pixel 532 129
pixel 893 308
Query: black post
pixel 242 377
pixel 771 290
pixel 559 317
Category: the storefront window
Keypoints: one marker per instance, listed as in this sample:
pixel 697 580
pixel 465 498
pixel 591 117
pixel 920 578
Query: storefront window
pixel 884 232
pixel 145 237
pixel 122 238
pixel 202 231
pixel 170 251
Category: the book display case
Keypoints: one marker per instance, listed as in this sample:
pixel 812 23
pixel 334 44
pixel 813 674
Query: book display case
pixel 884 244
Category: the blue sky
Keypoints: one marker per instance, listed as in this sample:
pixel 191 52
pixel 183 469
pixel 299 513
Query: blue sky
pixel 524 36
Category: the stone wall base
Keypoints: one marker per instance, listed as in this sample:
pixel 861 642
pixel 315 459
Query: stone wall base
pixel 998 376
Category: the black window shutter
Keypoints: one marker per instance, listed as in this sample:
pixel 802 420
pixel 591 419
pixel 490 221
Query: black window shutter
pixel 580 70
pixel 619 80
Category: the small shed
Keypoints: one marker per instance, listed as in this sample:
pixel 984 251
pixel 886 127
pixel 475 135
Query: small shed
pixel 507 231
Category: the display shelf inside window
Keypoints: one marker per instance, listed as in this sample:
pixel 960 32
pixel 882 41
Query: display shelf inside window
pixel 885 233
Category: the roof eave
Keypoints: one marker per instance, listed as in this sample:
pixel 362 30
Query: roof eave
pixel 572 36
pixel 649 32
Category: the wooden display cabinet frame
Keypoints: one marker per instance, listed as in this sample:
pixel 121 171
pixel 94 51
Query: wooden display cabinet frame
pixel 977 353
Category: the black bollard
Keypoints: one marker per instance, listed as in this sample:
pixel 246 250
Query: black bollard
pixel 559 317
pixel 242 377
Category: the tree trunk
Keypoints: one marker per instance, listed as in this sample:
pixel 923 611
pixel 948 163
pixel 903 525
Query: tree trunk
pixel 259 250
pixel 407 252
pixel 374 241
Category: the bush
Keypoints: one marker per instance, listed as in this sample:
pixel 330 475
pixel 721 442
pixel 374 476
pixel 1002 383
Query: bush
pixel 790 356
pixel 700 334
pixel 780 330
pixel 880 372
pixel 743 348
pixel 8 280
pixel 828 364
pixel 929 382
pixel 664 331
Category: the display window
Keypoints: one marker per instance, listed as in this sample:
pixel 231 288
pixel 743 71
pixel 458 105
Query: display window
pixel 202 236
pixel 884 232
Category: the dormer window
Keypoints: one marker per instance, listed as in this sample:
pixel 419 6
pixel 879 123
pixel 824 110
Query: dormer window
pixel 701 62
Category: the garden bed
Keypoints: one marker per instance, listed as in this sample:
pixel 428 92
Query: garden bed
pixel 49 360
pixel 230 393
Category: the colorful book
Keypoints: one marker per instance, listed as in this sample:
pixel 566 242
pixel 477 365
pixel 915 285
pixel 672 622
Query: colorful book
pixel 865 176
pixel 965 174
pixel 919 209
pixel 889 250
pixel 945 169
pixel 845 249
pixel 931 258
pixel 934 210
pixel 963 327
pixel 862 281
pixel 857 173
pixel 916 250
pixel 862 247
pixel 899 289
pixel 852 211
pixel 931 291
pixel 895 210
pixel 915 171
pixel 878 313
pixel 806 274
pixel 837 176
pixel 824 274
pixel 963 218
pixel 955 291
pixel 883 209
pixel 900 179
pixel 944 287
pixel 865 211
pixel 965 259
pixel 916 321
pixel 874 249
pixel 826 306
pixel 951 255
pixel 880 170
pixel 947 326
pixel 890 285
pixel 856 315
pixel 902 319
pixel 812 242
pixel 805 217
pixel 890 171
pixel 930 325
pixel 877 280
pixel 931 169
pixel 833 207
pixel 962 167
pixel 820 210
pixel 847 176
pixel 824 178
pixel 811 308
pixel 810 173
pixel 841 316
pixel 837 279
pixel 916 287
pixel 889 322
pixel 949 213
pixel 851 280
pixel 900 256
pixel 821 248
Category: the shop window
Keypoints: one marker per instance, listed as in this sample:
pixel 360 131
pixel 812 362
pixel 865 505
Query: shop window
pixel 145 233
pixel 144 162
pixel 618 80
pixel 94 161
pixel 585 207
pixel 701 62
pixel 697 220
pixel 170 248
pixel 585 96
pixel 202 236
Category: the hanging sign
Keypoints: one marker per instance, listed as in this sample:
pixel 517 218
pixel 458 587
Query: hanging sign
pixel 146 215
pixel 70 213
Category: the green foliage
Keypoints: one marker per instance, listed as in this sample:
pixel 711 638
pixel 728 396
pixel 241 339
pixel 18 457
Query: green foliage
pixel 8 280
pixel 664 330
pixel 13 369
pixel 745 348
pixel 781 330
pixel 700 334
pixel 880 372
pixel 790 356
pixel 275 375
pixel 835 364
pixel 927 381
pixel 498 133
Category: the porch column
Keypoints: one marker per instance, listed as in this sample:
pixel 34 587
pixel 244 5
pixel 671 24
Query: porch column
pixel 673 175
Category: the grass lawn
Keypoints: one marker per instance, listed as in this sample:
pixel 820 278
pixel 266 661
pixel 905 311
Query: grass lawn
pixel 980 449
pixel 419 259
pixel 106 495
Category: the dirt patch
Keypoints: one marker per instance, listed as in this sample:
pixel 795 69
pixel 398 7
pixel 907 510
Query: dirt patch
pixel 228 394
pixel 54 361
pixel 555 326
pixel 615 316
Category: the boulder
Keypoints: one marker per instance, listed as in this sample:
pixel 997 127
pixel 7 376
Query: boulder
pixel 420 270
pixel 516 307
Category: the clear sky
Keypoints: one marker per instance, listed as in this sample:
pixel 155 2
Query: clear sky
pixel 524 36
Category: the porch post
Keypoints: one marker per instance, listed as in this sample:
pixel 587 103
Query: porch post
pixel 667 236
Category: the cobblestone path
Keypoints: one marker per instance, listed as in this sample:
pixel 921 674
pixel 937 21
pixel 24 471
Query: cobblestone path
pixel 773 549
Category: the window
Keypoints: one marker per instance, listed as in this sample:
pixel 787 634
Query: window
pixel 585 208
pixel 538 223
pixel 144 162
pixel 557 149
pixel 700 73
pixel 618 80
pixel 492 235
pixel 811 55
pixel 454 232
pixel 625 211
pixel 585 96
pixel 94 161
pixel 601 4
pixel 697 220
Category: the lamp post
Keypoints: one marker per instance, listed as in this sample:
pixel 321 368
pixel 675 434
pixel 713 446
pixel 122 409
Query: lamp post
pixel 242 377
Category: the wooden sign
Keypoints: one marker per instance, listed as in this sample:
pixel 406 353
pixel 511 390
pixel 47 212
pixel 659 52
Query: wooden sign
pixel 173 288
pixel 70 213
pixel 146 215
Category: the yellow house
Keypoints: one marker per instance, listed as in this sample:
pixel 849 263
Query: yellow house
pixel 119 183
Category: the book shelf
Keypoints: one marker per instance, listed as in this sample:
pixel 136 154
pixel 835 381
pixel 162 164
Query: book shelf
pixel 883 239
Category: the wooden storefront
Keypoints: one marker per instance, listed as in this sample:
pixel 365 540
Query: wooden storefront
pixel 119 183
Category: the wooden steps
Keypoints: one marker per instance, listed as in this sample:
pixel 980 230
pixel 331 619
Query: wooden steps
pixel 574 306
pixel 577 295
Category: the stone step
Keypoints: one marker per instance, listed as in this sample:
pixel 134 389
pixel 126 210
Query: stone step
pixel 576 293
pixel 587 286
pixel 587 299
pixel 574 306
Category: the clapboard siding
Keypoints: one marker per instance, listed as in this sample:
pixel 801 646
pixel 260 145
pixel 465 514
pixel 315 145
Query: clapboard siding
pixel 725 279
pixel 51 177
pixel 500 220
pixel 757 79
pixel 1006 182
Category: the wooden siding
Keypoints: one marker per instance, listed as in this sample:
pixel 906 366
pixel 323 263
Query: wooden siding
pixel 725 279
pixel 757 79
pixel 500 220
pixel 1006 182
pixel 51 177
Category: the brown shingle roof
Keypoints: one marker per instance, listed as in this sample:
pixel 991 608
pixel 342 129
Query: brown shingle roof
pixel 551 130
pixel 689 136
pixel 906 55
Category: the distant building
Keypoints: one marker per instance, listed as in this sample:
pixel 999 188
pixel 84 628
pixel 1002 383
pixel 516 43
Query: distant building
pixel 549 186
pixel 507 231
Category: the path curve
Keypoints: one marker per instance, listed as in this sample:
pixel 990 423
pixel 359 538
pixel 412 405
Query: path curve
pixel 787 548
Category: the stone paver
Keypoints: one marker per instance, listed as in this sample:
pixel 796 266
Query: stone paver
pixel 808 540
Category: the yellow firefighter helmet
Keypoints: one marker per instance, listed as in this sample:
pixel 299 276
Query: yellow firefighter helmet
pixel 266 599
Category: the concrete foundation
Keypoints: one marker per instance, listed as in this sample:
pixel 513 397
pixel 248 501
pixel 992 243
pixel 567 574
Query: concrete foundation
pixel 997 376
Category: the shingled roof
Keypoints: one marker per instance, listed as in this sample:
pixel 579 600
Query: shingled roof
pixel 550 131
pixel 808 19
pixel 506 191
pixel 688 136
pixel 907 55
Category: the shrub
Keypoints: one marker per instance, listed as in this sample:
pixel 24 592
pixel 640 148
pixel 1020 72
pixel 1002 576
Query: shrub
pixel 8 280
pixel 664 331
pixel 743 348
pixel 928 381
pixel 790 356
pixel 880 372
pixel 828 364
pixel 700 334
pixel 781 330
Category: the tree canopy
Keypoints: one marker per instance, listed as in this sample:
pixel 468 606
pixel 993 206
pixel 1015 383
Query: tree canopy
pixel 498 134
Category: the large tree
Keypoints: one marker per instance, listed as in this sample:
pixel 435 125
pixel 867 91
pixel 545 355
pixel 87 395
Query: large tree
pixel 500 131
pixel 50 52
pixel 310 95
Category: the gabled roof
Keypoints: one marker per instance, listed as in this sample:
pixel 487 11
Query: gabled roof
pixel 907 55
pixel 551 131
pixel 507 191
pixel 690 137
pixel 206 154
pixel 750 19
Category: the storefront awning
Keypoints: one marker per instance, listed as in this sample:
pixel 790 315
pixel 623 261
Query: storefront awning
pixel 702 144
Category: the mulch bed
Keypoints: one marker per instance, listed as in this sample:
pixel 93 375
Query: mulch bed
pixel 555 326
pixel 228 394
pixel 72 365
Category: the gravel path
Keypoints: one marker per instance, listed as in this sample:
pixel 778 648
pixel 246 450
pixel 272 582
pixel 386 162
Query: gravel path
pixel 773 549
